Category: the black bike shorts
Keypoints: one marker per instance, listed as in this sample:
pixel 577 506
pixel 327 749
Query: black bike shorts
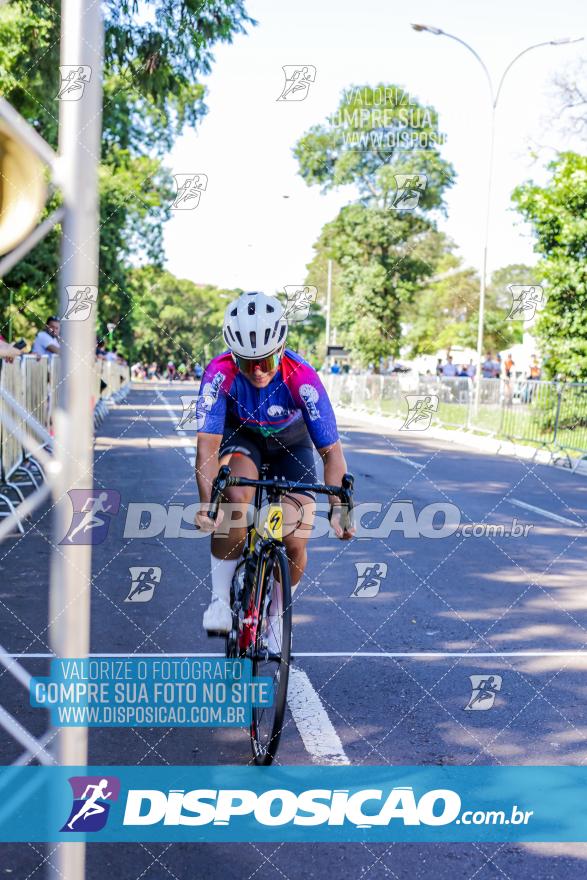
pixel 292 460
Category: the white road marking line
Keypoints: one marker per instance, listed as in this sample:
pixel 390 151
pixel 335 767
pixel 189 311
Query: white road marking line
pixel 542 512
pixel 406 460
pixel 189 451
pixel 321 740
pixel 317 654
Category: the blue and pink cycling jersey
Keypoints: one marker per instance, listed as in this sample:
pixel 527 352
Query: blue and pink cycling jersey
pixel 294 394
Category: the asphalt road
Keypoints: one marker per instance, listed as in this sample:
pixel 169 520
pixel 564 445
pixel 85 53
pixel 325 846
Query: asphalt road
pixel 389 673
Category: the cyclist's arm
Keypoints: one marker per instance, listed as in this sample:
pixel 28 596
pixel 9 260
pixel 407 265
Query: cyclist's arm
pixel 207 463
pixel 334 466
pixel 334 470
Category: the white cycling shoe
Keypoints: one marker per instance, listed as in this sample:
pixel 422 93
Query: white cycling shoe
pixel 218 616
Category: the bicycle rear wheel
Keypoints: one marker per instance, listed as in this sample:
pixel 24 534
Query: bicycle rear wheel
pixel 271 657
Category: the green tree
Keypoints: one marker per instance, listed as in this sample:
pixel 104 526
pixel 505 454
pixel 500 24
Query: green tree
pixel 558 215
pixel 152 67
pixel 383 252
pixel 175 317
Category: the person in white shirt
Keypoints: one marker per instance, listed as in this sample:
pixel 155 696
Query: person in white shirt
pixel 47 341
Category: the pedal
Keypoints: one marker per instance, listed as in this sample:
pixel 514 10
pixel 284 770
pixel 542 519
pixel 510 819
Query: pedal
pixel 215 634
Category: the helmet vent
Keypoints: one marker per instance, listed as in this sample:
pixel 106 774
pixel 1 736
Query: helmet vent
pixel 230 333
pixel 267 334
pixel 270 308
pixel 253 338
pixel 237 333
pixel 233 313
pixel 251 308
pixel 282 333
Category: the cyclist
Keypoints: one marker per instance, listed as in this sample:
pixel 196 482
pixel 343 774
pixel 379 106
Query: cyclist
pixel 261 403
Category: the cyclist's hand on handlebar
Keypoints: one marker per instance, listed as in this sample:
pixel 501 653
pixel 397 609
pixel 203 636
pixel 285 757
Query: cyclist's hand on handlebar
pixel 203 521
pixel 342 524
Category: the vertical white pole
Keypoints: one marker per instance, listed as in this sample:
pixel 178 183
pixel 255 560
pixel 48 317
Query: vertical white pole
pixel 79 151
pixel 328 304
pixel 481 321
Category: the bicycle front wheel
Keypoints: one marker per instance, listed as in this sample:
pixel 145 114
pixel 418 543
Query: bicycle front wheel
pixel 272 657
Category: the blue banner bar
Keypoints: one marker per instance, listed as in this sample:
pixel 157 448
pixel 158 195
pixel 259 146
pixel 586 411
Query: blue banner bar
pixel 327 804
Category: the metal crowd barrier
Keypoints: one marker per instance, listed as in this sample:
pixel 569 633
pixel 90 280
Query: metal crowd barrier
pixel 29 387
pixel 552 415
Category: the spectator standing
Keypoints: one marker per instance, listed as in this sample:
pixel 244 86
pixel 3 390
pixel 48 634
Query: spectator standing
pixel 439 367
pixel 488 367
pixel 47 340
pixel 508 366
pixel 449 369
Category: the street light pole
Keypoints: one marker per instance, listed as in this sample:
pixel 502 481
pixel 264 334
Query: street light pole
pixel 328 304
pixel 494 98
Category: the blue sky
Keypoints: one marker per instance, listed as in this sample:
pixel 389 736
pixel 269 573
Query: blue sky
pixel 244 233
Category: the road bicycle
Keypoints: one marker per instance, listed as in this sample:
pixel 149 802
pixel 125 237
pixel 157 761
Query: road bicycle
pixel 260 595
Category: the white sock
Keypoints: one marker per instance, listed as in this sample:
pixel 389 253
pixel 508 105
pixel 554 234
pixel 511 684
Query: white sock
pixel 222 572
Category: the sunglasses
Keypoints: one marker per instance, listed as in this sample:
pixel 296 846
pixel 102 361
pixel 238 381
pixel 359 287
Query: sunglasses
pixel 265 364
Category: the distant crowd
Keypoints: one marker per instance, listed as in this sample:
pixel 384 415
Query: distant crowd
pixel 493 367
pixel 182 372
pixel 47 343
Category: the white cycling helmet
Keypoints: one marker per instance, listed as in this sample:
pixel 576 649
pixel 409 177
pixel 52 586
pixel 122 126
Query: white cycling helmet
pixel 254 325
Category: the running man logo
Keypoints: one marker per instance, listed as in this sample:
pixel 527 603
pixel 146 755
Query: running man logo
pixel 190 418
pixel 91 802
pixel 408 190
pixel 92 512
pixel 421 408
pixel 485 688
pixel 525 300
pixel 298 79
pixel 189 191
pixel 369 577
pixel 299 301
pixel 80 300
pixel 73 81
pixel 143 582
